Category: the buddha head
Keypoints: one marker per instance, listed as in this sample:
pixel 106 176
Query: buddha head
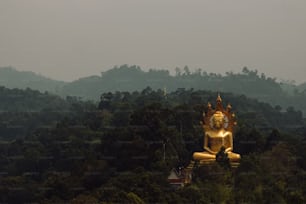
pixel 217 120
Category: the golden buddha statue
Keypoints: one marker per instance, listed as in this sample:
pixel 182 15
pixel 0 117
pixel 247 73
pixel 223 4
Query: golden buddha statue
pixel 218 127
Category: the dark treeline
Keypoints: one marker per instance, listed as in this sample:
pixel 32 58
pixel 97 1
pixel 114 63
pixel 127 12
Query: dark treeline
pixel 122 149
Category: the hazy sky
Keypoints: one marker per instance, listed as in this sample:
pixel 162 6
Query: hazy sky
pixel 68 39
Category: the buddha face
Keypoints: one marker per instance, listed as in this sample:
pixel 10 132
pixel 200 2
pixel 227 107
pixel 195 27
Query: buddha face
pixel 218 120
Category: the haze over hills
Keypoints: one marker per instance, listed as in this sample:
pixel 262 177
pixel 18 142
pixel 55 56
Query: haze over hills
pixel 12 78
pixel 132 78
pixel 302 87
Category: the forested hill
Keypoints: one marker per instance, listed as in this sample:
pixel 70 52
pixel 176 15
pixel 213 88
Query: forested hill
pixel 22 111
pixel 12 78
pixel 248 82
pixel 19 100
pixel 122 149
pixel 132 78
pixel 302 87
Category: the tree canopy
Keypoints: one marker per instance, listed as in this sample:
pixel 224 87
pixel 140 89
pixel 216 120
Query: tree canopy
pixel 122 149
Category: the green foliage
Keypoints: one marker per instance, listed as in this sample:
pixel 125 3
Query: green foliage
pixel 122 149
pixel 133 198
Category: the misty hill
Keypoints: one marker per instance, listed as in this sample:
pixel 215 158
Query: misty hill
pixel 132 78
pixel 302 87
pixel 12 78
pixel 292 89
pixel 125 78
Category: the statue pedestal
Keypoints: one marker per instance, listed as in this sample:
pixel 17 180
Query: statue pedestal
pixel 206 162
pixel 234 164
pixel 212 162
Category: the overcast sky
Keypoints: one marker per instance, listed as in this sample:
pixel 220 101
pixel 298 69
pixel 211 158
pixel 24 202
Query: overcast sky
pixel 68 39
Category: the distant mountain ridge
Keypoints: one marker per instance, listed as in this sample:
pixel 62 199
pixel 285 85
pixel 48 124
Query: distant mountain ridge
pixel 12 78
pixel 133 78
pixel 302 87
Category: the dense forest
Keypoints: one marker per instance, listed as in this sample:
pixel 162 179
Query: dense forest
pixel 122 149
pixel 133 78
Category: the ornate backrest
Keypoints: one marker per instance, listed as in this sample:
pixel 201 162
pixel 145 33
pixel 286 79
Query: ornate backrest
pixel 229 119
